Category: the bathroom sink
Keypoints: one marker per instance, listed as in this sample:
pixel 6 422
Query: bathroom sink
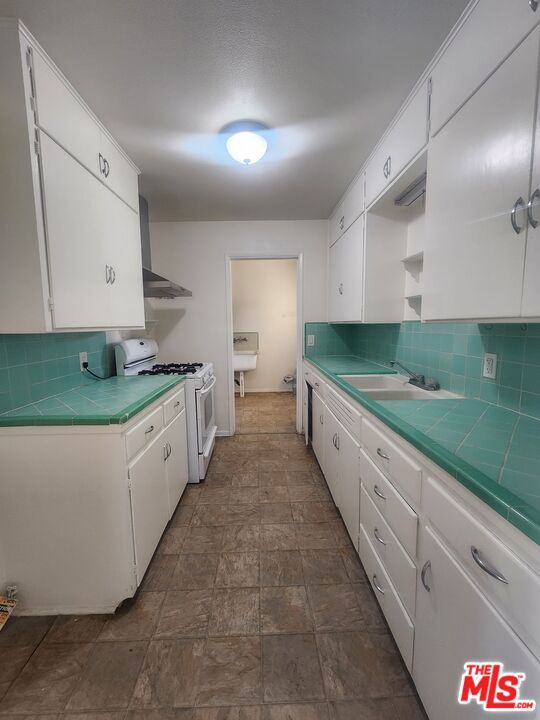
pixel 244 360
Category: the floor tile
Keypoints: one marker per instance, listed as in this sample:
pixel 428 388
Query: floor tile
pixel 194 572
pixel 276 513
pixel 210 515
pixel 238 569
pixel 323 567
pixel 241 537
pixel 315 536
pixel 192 494
pixel 291 670
pixel 272 478
pixel 170 674
pixel 203 539
pixel 274 494
pixel 12 662
pixel 360 665
pixel 409 708
pixel 281 567
pixel 215 494
pixel 185 613
pixel 335 607
pixel 300 477
pixel 278 536
pixel 172 540
pixel 231 672
pixel 25 631
pixel 182 515
pixel 312 512
pixel 110 715
pixel 76 628
pixel 157 714
pixel 369 607
pixel 136 619
pixel 342 536
pixel 235 611
pixel 366 709
pixel 285 610
pixel 159 573
pixel 353 566
pixel 242 712
pixel 47 680
pixel 248 478
pixel 299 711
pixel 241 495
pixel 305 492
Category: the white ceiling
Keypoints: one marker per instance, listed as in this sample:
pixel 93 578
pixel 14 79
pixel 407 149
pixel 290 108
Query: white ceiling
pixel 166 75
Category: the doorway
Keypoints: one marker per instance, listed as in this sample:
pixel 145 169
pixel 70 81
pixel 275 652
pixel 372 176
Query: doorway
pixel 265 344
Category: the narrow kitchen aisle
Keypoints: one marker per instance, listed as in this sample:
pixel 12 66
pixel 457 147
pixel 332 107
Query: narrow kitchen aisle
pixel 265 413
pixel 255 598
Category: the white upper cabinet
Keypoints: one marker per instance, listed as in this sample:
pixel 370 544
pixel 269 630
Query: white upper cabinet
pixel 478 187
pixel 336 224
pixel 531 286
pixel 490 33
pixel 345 277
pixel 70 239
pixel 402 143
pixel 349 208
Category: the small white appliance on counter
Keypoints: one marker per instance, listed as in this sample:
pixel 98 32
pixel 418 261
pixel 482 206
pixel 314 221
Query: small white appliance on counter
pixel 138 356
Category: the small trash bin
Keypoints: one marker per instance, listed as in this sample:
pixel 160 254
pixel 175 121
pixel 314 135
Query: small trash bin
pixel 291 380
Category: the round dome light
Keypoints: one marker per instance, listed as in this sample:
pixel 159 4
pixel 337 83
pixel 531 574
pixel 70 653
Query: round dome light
pixel 246 147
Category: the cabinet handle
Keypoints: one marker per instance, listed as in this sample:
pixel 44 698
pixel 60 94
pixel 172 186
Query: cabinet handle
pixel 149 430
pixel 334 440
pixel 536 194
pixel 113 275
pixel 340 288
pixel 106 167
pixel 337 441
pixel 427 566
pixel 378 538
pixel 101 165
pixel 377 586
pixel 378 493
pixel 342 222
pixel 169 451
pixel 382 454
pixel 519 203
pixel 321 419
pixel 107 274
pixel 486 566
pixel 533 4
pixel 177 403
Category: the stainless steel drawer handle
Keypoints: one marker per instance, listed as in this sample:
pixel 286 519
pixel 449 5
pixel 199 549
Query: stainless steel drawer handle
pixel 321 419
pixel 149 430
pixel 382 454
pixel 427 566
pixel 377 586
pixel 378 493
pixel 520 203
pixel 532 220
pixel 486 566
pixel 378 538
pixel 177 403
pixel 170 450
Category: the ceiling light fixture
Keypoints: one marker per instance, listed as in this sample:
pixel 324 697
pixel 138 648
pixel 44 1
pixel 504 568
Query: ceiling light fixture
pixel 246 142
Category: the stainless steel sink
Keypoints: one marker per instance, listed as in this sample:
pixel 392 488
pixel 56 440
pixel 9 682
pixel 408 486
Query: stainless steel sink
pixel 393 387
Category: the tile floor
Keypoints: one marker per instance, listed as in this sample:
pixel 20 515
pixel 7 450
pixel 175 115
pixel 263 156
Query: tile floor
pixel 265 413
pixel 255 607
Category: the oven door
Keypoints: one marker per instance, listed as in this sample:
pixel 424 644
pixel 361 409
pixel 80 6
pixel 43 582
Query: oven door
pixel 206 423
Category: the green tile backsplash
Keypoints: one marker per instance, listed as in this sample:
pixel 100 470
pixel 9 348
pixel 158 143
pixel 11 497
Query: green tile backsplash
pixel 34 367
pixel 452 353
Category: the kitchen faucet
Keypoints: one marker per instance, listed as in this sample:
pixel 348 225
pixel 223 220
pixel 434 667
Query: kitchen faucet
pixel 418 380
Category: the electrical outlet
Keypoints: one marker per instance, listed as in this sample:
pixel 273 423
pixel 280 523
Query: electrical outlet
pixel 83 357
pixel 490 366
pixel 311 340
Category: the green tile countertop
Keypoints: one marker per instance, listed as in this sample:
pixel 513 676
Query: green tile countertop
pixel 492 451
pixel 106 402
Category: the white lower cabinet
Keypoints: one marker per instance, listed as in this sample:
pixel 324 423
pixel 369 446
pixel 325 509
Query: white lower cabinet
pixel 318 414
pixel 455 624
pixel 176 460
pixel 331 455
pixel 149 502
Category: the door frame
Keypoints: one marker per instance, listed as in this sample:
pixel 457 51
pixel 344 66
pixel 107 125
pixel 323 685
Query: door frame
pixel 299 257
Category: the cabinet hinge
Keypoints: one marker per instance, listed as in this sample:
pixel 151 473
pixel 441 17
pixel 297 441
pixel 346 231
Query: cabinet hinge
pixel 429 87
pixel 37 147
pixel 50 303
pixel 129 479
pixel 29 57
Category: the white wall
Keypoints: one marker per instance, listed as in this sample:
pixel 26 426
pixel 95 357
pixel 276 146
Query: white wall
pixel 193 254
pixel 264 301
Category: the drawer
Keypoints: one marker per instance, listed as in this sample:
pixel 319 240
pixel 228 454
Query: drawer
pixel 345 413
pixel 396 616
pixel 144 432
pixel 518 600
pixel 400 567
pixel 174 406
pixel 405 474
pixel 118 173
pixel 492 30
pixel 393 508
pixel 403 142
pixel 314 380
pixel 63 117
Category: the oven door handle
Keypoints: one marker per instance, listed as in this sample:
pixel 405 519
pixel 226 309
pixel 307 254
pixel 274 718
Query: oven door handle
pixel 206 389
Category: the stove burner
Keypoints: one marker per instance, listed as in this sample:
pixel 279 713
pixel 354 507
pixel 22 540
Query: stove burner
pixel 172 369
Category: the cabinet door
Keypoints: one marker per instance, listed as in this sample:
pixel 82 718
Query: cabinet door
pixel 456 624
pixel 118 173
pixel 353 204
pixel 149 503
pixel 331 454
pixel 478 168
pixel 349 483
pixel 318 416
pixel 346 275
pixel 336 222
pixel 176 459
pixel 122 246
pixel 74 228
pixel 531 288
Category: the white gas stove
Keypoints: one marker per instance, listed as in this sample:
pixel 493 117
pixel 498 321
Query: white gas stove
pixel 138 357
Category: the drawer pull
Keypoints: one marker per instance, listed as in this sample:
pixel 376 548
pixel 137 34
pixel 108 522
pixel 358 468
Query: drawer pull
pixel 321 419
pixel 378 493
pixel 427 566
pixel 149 430
pixel 382 454
pixel 378 538
pixel 486 566
pixel 377 586
pixel 177 403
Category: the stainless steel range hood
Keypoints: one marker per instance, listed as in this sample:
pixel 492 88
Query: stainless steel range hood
pixel 154 285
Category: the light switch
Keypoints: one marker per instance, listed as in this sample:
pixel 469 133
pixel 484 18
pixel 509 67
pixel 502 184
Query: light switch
pixel 490 366
pixel 311 340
